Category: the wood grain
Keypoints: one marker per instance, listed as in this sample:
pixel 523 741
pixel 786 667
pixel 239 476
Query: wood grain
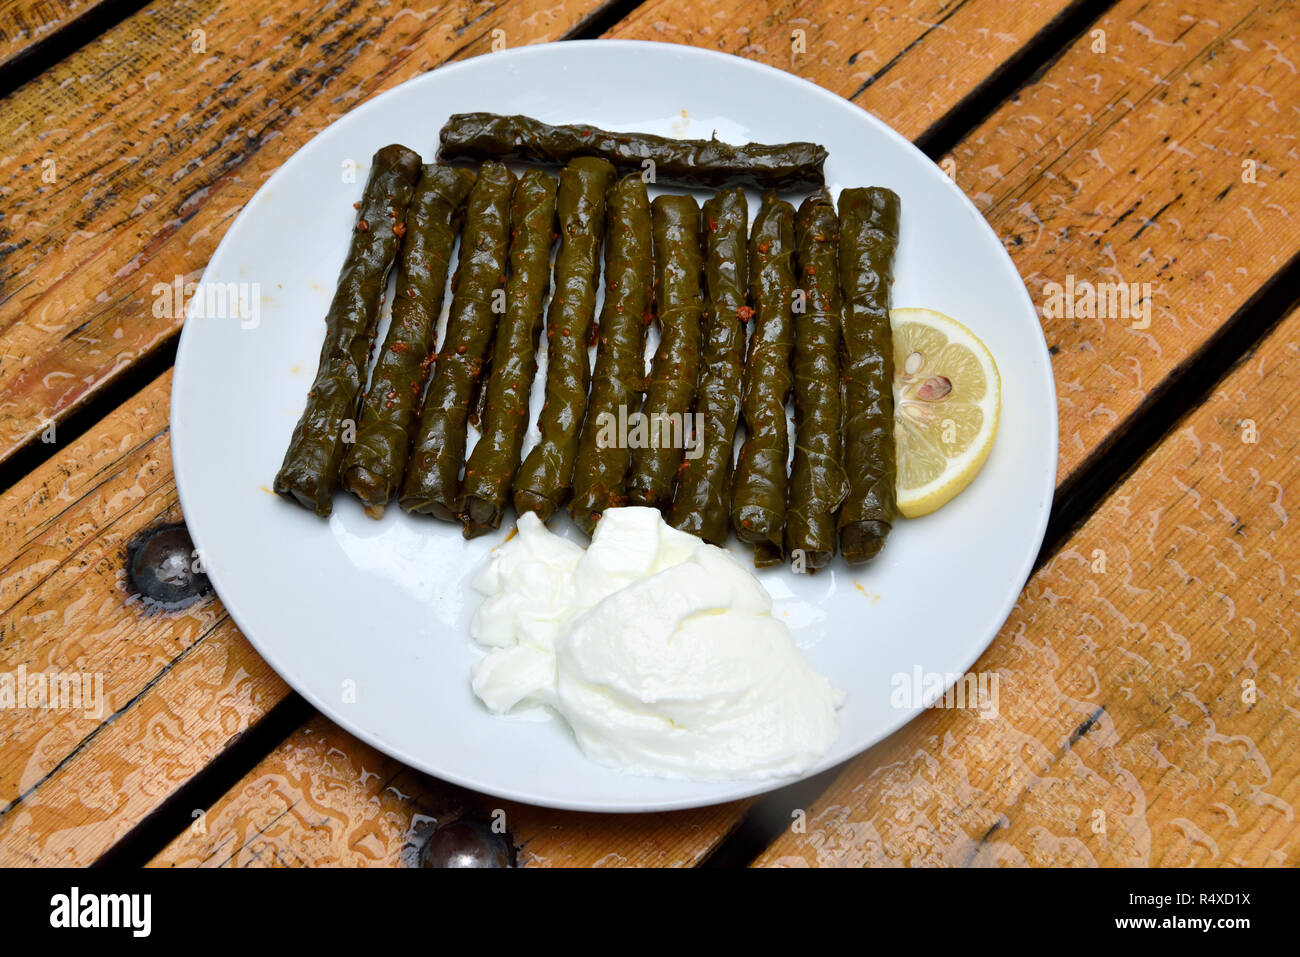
pixel 910 63
pixel 298 839
pixel 1148 686
pixel 126 162
pixel 325 799
pixel 26 23
pixel 178 685
pixel 1127 167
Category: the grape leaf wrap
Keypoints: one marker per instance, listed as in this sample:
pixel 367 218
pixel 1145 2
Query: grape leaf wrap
pixel 545 477
pixel 758 488
pixel 679 308
pixel 432 484
pixel 706 163
pixel 311 463
pixel 868 240
pixel 492 465
pixel 618 379
pixel 700 505
pixel 373 466
pixel 817 482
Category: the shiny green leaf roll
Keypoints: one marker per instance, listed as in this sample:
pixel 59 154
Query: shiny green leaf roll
pixel 700 505
pixel 758 488
pixel 868 240
pixel 544 479
pixel 817 482
pixel 708 163
pixel 492 465
pixel 679 307
pixel 618 380
pixel 432 484
pixel 311 464
pixel 374 465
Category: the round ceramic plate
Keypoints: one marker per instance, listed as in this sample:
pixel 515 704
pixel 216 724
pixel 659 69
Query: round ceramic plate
pixel 368 619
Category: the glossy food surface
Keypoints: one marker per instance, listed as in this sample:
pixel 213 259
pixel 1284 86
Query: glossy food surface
pixel 310 468
pixel 711 163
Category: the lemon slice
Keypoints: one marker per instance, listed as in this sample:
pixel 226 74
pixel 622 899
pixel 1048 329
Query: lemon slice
pixel 947 398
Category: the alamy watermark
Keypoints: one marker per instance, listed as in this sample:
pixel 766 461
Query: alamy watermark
pixel 976 690
pixel 655 430
pixel 179 299
pixel 53 690
pixel 1101 300
pixel 74 909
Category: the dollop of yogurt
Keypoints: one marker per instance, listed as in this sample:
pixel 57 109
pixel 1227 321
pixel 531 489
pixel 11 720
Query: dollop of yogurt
pixel 659 650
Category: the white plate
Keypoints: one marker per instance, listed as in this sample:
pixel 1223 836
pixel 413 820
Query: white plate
pixel 368 620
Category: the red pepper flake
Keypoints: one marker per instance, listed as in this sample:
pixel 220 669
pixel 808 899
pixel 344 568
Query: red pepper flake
pixel 399 229
pixel 462 349
pixel 745 313
pixel 356 205
pixel 764 247
pixel 811 270
pixel 363 226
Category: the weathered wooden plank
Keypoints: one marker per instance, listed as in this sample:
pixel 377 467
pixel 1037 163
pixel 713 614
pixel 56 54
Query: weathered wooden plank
pixel 27 23
pixel 1148 686
pixel 910 63
pixel 324 799
pixel 1165 163
pixel 125 163
pixel 177 686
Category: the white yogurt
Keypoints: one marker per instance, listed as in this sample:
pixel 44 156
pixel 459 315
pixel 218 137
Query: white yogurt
pixel 658 649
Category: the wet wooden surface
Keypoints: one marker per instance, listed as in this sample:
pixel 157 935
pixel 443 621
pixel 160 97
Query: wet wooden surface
pixel 1156 151
pixel 1148 686
pixel 24 24
pixel 324 798
pixel 155 135
pixel 178 685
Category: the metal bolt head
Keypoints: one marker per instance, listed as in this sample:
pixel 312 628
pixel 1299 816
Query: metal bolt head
pixel 468 842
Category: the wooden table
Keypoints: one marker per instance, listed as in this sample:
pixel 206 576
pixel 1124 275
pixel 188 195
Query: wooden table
pixel 1149 681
